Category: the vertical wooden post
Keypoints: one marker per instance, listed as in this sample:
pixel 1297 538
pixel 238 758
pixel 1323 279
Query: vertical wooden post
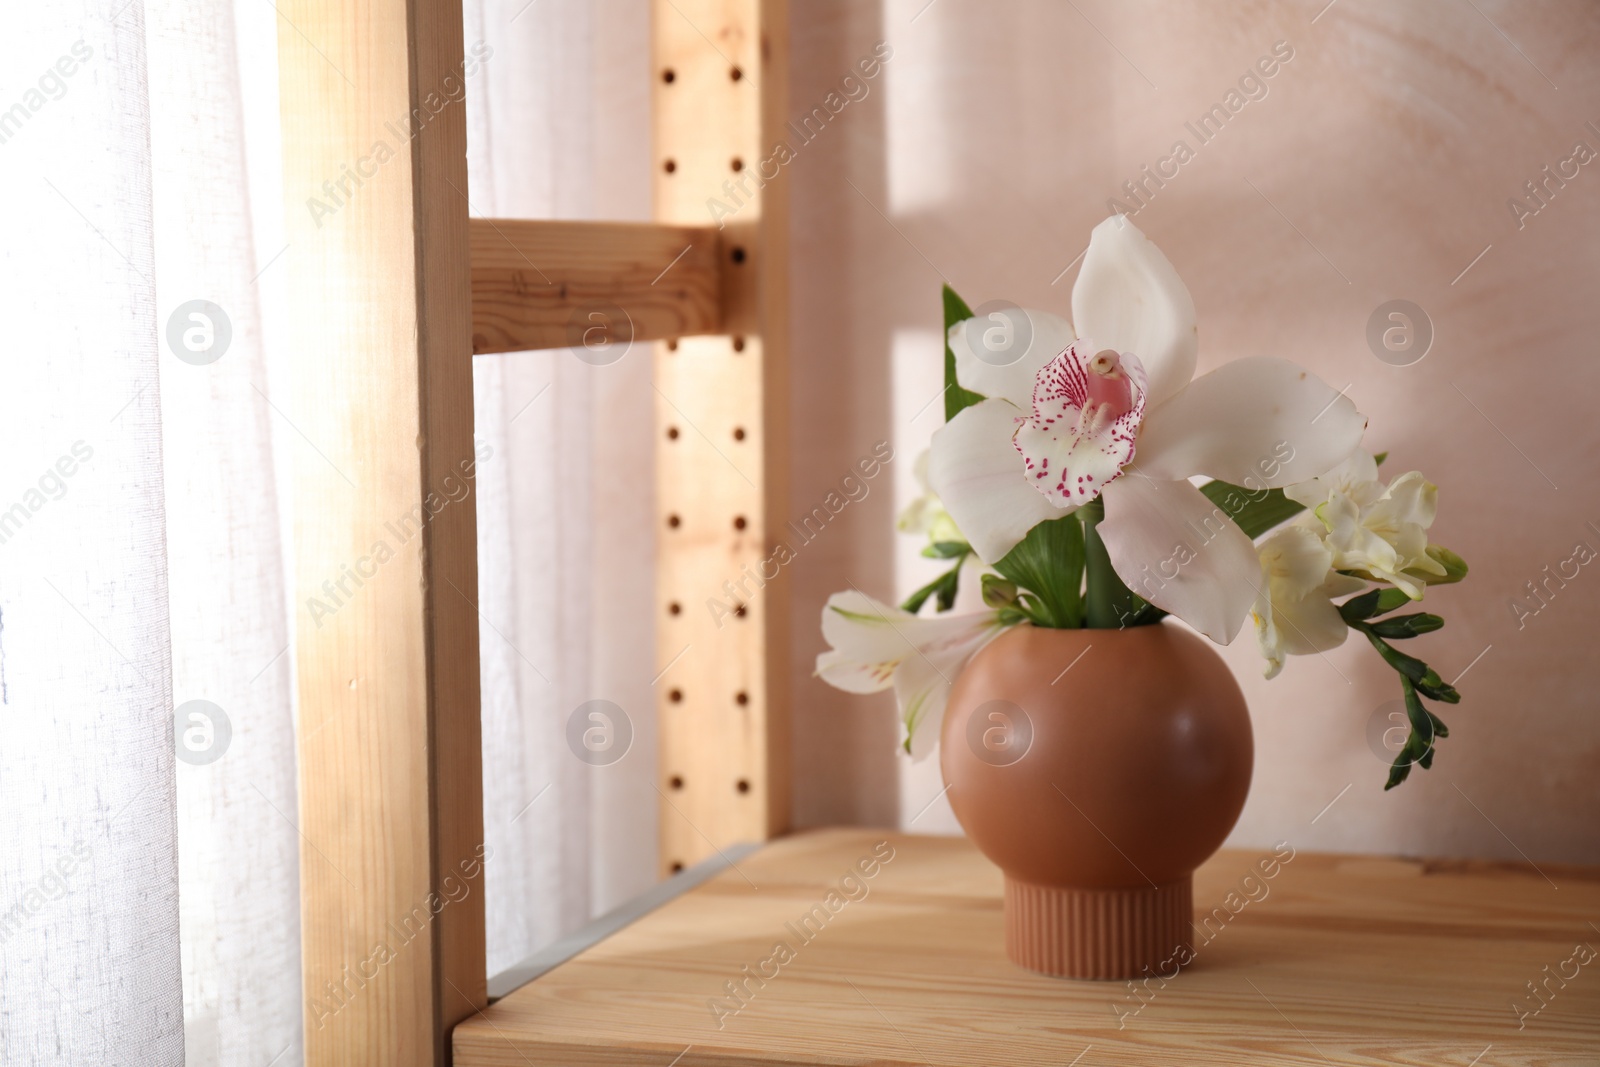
pixel 720 70
pixel 374 144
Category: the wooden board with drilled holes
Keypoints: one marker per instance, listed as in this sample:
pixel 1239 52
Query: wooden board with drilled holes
pixel 1331 960
pixel 557 284
pixel 719 73
pixel 390 760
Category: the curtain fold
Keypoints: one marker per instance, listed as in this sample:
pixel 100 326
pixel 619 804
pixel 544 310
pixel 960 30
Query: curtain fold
pixel 558 128
pixel 147 778
pixel 239 891
pixel 89 944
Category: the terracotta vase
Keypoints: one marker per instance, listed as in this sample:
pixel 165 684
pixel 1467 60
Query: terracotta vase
pixel 1097 769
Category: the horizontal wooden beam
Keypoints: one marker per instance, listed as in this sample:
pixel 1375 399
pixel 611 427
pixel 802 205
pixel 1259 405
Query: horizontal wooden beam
pixel 549 284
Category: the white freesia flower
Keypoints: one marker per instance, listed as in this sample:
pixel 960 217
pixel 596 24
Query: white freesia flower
pixel 926 514
pixel 1294 612
pixel 1064 418
pixel 1376 530
pixel 874 646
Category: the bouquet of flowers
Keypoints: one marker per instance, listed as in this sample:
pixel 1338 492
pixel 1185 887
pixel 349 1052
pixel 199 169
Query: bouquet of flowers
pixel 1093 481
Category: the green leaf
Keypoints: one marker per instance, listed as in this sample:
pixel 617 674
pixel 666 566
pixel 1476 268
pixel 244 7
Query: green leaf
pixel 1379 458
pixel 1402 626
pixel 1048 563
pixel 1372 603
pixel 956 399
pixel 1108 603
pixel 947 550
pixel 1255 511
pixel 1455 568
pixel 943 587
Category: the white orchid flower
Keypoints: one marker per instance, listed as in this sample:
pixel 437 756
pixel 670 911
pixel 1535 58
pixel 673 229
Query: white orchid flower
pixel 1064 419
pixel 926 513
pixel 874 646
pixel 1377 530
pixel 1294 613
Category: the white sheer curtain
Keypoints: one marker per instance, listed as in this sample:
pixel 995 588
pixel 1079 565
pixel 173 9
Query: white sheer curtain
pixel 88 841
pixel 239 889
pixel 148 850
pixel 559 128
pixel 149 896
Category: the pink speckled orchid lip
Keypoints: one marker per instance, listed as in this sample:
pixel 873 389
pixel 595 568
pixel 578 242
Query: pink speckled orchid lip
pixel 1085 422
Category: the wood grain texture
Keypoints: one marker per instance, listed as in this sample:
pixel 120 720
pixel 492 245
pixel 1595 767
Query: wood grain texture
pixel 558 284
pixel 385 542
pixel 1331 960
pixel 720 71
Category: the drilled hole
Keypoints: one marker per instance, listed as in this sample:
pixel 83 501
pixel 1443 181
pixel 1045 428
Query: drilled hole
pixel 675 695
pixel 672 346
pixel 738 342
pixel 674 522
pixel 672 433
pixel 737 164
pixel 738 254
pixel 739 522
pixel 676 867
pixel 741 697
pixel 676 781
pixel 674 608
pixel 669 165
pixel 738 433
pixel 742 785
pixel 669 75
pixel 735 73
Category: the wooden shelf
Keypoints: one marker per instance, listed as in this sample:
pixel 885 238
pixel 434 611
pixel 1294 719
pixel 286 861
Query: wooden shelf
pixel 1336 960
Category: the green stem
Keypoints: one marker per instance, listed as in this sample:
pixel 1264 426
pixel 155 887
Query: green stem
pixel 1108 603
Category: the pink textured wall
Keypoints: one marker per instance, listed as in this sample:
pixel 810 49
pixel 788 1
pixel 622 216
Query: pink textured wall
pixel 1377 166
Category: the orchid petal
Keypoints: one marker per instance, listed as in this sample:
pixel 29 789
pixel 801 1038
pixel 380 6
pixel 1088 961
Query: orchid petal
pixel 1000 354
pixel 976 471
pixel 1129 297
pixel 1258 422
pixel 1179 551
pixel 1086 412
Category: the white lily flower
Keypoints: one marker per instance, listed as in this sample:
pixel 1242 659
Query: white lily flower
pixel 1078 412
pixel 926 514
pixel 1377 530
pixel 874 646
pixel 1294 612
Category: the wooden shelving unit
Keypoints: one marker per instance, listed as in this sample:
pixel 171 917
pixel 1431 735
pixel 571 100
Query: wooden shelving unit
pixel 1331 960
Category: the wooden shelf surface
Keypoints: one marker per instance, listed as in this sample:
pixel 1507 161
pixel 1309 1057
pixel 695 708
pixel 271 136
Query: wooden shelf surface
pixel 1332 960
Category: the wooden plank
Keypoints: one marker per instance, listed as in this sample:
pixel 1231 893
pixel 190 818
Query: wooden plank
pixel 548 284
pixel 386 633
pixel 1329 960
pixel 720 69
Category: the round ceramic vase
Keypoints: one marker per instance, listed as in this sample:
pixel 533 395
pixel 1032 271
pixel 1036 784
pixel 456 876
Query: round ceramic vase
pixel 1097 769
